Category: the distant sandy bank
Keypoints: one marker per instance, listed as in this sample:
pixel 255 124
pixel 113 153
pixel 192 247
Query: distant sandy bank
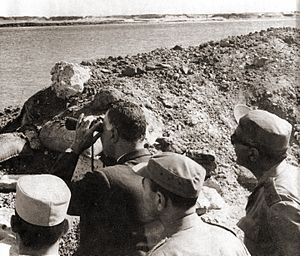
pixel 149 18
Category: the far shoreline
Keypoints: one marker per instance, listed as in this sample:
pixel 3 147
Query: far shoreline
pixel 8 22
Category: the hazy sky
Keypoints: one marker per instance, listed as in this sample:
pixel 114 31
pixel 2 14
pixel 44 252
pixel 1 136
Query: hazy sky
pixel 112 7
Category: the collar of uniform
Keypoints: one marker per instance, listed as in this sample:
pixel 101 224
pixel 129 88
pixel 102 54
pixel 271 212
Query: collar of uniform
pixel 184 223
pixel 267 181
pixel 273 172
pixel 132 155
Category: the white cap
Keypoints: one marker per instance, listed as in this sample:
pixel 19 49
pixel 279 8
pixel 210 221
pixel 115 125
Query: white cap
pixel 42 200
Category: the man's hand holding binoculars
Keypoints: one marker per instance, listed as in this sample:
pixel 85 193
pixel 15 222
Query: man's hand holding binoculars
pixel 88 130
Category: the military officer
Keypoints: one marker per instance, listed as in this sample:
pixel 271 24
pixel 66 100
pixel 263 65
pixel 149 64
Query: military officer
pixel 272 221
pixel 171 185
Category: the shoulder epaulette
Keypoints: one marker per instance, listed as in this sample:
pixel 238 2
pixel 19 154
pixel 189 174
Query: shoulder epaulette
pixel 221 226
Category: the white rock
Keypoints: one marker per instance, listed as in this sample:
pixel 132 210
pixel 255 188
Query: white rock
pixel 68 79
pixel 154 127
pixel 210 199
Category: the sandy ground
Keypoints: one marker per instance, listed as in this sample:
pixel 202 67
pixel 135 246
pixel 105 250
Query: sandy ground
pixel 194 91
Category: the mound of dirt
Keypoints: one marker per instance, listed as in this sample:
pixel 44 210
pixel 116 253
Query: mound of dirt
pixel 194 91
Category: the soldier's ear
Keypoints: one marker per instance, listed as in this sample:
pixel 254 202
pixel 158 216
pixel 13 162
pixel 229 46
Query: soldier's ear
pixel 114 135
pixel 14 223
pixel 161 201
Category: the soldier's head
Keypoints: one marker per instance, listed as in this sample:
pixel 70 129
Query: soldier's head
pixel 40 211
pixel 261 137
pixel 171 182
pixel 124 123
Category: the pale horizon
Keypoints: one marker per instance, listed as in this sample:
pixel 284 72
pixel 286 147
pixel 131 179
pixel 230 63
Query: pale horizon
pixel 49 8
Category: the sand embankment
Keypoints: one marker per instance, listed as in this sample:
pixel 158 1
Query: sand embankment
pixel 194 90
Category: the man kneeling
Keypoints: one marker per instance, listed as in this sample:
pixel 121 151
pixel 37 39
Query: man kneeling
pixel 171 184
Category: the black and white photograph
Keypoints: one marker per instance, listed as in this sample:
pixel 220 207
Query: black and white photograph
pixel 150 128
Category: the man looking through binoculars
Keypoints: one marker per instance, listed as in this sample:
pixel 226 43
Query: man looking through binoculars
pixel 108 200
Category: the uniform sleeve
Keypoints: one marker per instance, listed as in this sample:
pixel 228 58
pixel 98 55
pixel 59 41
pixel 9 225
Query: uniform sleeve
pixel 284 221
pixel 92 190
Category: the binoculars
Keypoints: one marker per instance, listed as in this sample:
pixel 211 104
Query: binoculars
pixel 71 123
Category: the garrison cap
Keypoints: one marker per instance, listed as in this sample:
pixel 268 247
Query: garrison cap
pixel 176 173
pixel 266 130
pixel 42 200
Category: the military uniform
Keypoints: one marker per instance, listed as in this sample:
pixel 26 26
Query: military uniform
pixel 272 221
pixel 186 234
pixel 194 237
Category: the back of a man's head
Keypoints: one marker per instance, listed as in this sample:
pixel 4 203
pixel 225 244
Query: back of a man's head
pixel 40 210
pixel 37 237
pixel 129 120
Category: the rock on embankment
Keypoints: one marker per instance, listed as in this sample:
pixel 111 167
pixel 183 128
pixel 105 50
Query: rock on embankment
pixel 194 91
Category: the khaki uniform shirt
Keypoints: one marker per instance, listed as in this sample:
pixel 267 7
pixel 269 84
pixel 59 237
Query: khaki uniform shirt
pixel 194 237
pixel 272 221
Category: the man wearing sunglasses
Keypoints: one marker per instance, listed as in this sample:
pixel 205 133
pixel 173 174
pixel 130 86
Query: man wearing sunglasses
pixel 272 221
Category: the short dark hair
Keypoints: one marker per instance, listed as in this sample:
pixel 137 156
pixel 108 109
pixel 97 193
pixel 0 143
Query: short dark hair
pixel 129 120
pixel 178 201
pixel 38 237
